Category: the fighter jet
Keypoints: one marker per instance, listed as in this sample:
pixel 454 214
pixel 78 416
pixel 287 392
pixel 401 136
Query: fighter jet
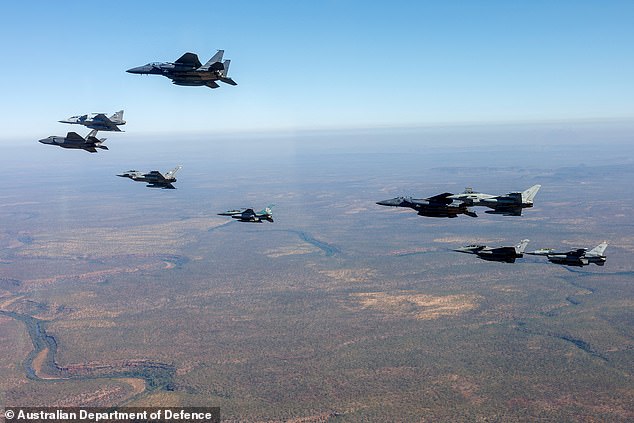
pixel 510 204
pixel 504 254
pixel 437 206
pixel 579 257
pixel 154 178
pixel 248 215
pixel 187 70
pixel 74 140
pixel 98 121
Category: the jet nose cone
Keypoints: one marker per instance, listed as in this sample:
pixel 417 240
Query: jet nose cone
pixel 390 202
pixel 45 140
pixel 138 70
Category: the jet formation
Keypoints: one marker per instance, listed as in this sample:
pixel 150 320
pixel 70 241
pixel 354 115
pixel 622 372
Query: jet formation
pixel 154 178
pixel 451 205
pixel 503 254
pixel 579 257
pixel 73 140
pixel 249 215
pixel 98 121
pixel 187 70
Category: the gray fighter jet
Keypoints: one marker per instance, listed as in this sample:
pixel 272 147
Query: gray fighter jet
pixel 579 257
pixel 154 178
pixel 187 70
pixel 504 254
pixel 437 206
pixel 249 215
pixel 98 121
pixel 510 204
pixel 76 141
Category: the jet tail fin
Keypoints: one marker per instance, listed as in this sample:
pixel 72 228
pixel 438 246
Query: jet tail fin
pixel 215 63
pixel 92 134
pixel 117 117
pixel 224 78
pixel 599 249
pixel 529 194
pixel 519 249
pixel 172 172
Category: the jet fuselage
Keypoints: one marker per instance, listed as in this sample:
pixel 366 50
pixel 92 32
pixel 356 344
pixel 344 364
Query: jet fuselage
pixel 428 207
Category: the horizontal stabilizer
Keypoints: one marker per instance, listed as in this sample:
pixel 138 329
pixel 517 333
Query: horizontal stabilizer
pixel 212 84
pixel 229 81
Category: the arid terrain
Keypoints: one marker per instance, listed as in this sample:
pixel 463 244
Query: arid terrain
pixel 341 310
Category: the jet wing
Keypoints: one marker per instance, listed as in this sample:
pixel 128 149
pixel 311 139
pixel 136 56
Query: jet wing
pixel 156 174
pixel 74 136
pixel 248 214
pixel 105 122
pixel 503 251
pixel 189 59
pixel 576 253
pixel 505 210
pixel 441 198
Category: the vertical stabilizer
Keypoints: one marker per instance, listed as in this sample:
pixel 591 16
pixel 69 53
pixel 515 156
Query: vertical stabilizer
pixel 117 117
pixel 529 194
pixel 172 172
pixel 224 78
pixel 519 249
pixel 598 250
pixel 215 63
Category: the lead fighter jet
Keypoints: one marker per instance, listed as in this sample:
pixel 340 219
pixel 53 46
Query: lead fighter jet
pixel 76 141
pixel 437 206
pixel 510 204
pixel 504 254
pixel 154 178
pixel 579 257
pixel 187 70
pixel 248 215
pixel 98 121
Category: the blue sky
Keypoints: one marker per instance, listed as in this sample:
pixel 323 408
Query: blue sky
pixel 317 64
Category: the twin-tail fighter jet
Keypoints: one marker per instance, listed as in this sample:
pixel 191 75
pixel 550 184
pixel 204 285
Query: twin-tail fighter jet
pixel 249 215
pixel 187 70
pixel 510 204
pixel 154 178
pixel 578 257
pixel 437 206
pixel 98 121
pixel 73 140
pixel 503 254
